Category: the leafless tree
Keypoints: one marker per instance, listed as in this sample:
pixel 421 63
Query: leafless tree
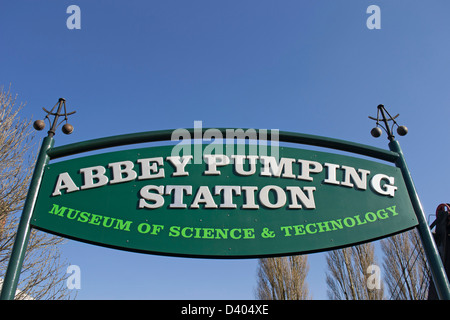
pixel 405 266
pixel 43 274
pixel 349 273
pixel 283 278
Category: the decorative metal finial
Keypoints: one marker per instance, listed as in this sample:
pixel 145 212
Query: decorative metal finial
pixel 67 128
pixel 376 132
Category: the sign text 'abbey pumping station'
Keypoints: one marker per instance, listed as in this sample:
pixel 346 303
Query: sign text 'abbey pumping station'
pixel 245 202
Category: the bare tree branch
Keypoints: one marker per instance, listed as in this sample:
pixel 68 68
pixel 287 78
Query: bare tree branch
pixel 347 276
pixel 283 278
pixel 405 266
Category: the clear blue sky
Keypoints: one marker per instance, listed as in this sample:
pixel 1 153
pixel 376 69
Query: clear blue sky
pixel 303 66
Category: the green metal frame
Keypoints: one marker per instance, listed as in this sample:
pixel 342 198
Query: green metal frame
pixel 436 266
pixel 23 232
pixel 395 155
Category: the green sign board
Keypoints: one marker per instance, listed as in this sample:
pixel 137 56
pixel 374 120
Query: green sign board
pixel 237 206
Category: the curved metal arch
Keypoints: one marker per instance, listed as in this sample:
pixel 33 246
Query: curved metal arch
pixel 166 135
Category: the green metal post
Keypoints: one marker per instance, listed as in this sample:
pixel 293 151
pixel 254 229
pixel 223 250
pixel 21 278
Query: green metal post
pixel 23 232
pixel 431 251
